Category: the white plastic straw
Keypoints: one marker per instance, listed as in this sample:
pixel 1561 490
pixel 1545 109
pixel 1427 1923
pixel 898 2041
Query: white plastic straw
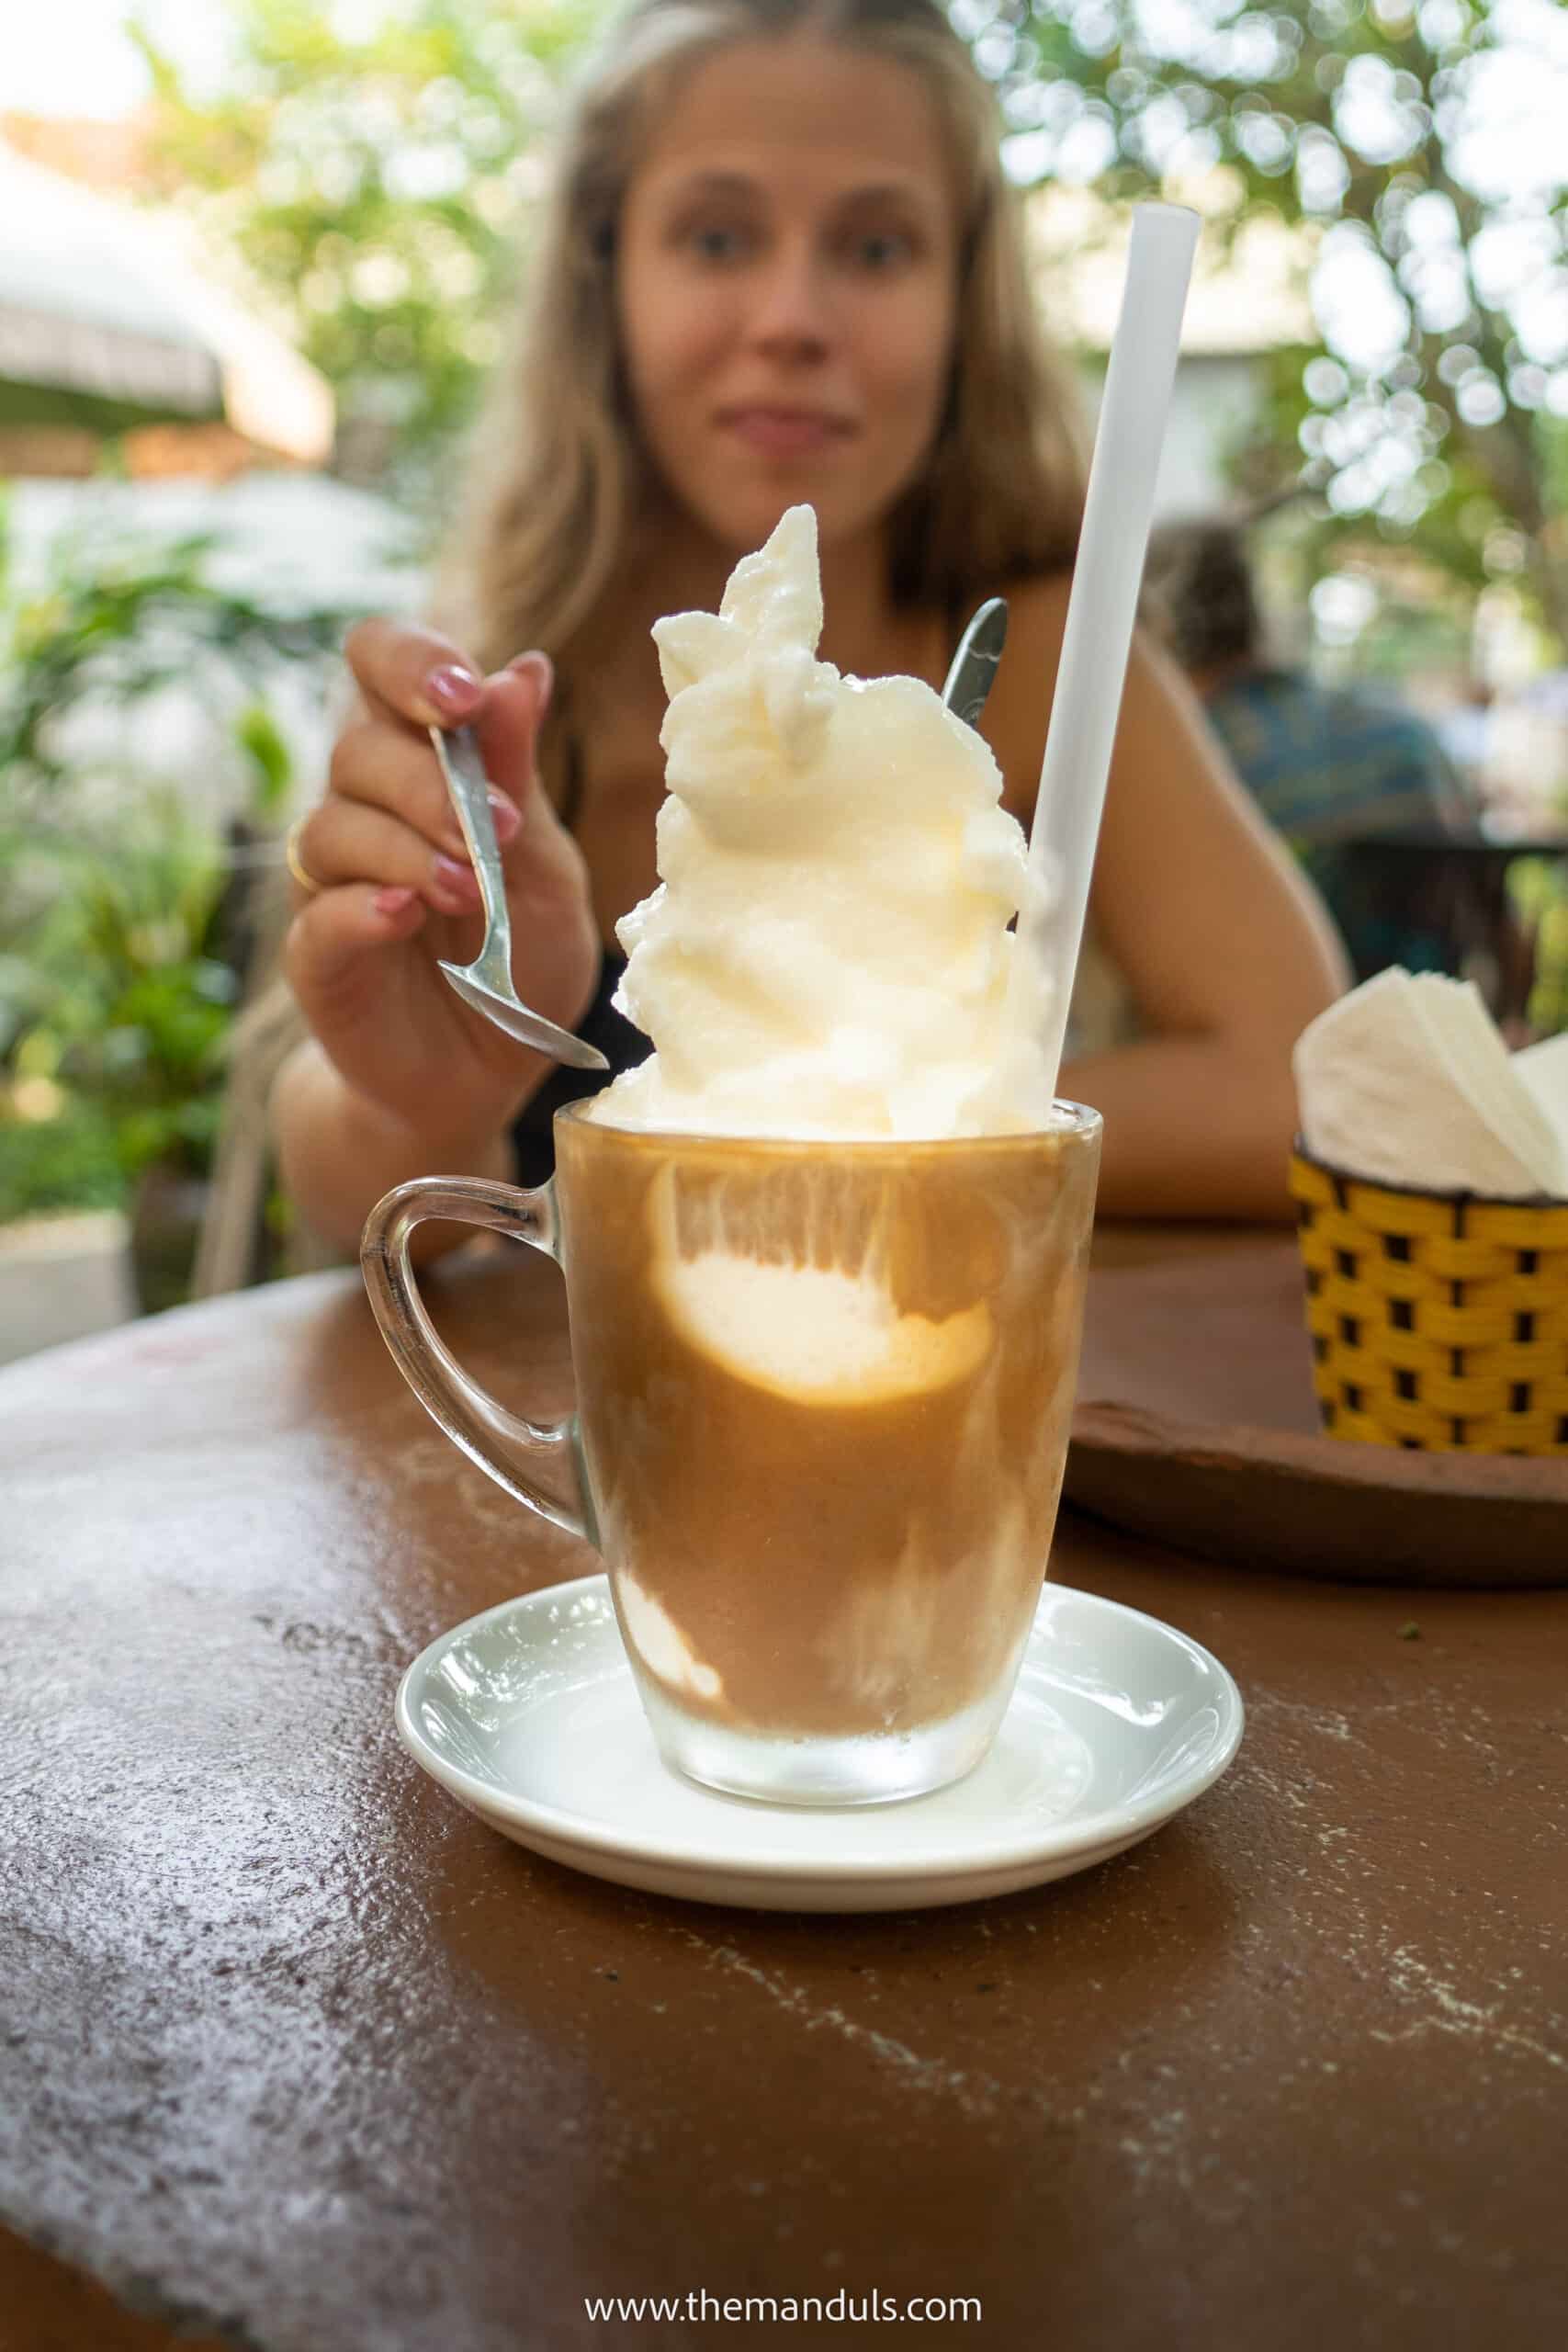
pixel 1100 612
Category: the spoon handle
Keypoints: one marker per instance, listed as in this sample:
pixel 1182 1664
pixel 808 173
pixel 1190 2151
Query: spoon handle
pixel 458 749
pixel 975 663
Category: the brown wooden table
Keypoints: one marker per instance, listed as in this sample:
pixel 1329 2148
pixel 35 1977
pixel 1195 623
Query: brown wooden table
pixel 296 2056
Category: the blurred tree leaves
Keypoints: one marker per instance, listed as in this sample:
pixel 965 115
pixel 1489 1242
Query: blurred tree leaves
pixel 118 619
pixel 121 909
pixel 260 738
pixel 135 998
pixel 118 1007
pixel 1419 147
pixel 377 183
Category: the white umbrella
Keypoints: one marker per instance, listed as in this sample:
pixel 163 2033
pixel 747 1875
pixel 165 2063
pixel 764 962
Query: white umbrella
pixel 104 322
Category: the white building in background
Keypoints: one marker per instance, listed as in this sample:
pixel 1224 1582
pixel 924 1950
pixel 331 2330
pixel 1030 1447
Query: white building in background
pixel 1244 303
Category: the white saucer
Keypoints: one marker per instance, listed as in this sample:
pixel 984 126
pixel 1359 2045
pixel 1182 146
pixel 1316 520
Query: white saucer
pixel 528 1715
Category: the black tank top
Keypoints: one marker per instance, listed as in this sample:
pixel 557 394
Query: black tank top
pixel 622 1047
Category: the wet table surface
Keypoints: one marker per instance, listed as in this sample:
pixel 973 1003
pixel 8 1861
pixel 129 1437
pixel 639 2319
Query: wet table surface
pixel 298 2056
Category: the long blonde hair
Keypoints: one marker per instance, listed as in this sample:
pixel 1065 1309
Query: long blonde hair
pixel 560 481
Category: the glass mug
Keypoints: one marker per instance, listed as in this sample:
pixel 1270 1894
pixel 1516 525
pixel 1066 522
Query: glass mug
pixel 824 1396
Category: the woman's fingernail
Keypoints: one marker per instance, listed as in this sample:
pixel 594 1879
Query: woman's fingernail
pixel 457 882
pixel 506 815
pixel 456 692
pixel 392 902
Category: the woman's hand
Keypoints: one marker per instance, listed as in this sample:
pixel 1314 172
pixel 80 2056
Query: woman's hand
pixel 396 892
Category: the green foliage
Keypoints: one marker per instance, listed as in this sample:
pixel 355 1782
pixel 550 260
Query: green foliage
pixel 377 184
pixel 259 737
pixel 114 988
pixel 67 1162
pixel 1538 887
pixel 129 1006
pixel 117 620
pixel 1355 123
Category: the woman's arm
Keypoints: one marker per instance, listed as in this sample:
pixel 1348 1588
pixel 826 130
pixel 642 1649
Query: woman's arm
pixel 1223 944
pixel 339 1152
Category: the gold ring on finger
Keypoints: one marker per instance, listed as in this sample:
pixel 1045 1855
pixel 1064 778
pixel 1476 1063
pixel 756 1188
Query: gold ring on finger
pixel 295 862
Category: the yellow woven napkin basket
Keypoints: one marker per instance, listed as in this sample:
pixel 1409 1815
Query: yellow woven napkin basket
pixel 1438 1320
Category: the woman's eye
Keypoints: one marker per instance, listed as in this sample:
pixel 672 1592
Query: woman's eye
pixel 717 241
pixel 881 249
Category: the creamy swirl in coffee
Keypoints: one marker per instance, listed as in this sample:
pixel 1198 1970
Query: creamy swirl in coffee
pixel 828 951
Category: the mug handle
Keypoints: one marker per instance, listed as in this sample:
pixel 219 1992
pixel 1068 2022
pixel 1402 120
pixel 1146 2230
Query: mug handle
pixel 549 1476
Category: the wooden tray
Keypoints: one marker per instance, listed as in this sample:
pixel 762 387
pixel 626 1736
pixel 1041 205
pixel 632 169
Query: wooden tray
pixel 1196 1425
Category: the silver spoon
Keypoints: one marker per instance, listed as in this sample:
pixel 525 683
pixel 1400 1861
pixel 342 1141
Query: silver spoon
pixel 975 663
pixel 487 983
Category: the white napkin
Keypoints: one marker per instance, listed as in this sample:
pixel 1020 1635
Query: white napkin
pixel 1543 1069
pixel 1407 1082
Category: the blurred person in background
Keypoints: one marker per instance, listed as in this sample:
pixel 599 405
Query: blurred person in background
pixel 781 264
pixel 1465 732
pixel 1332 767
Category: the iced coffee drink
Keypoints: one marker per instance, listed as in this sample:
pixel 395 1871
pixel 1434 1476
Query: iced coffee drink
pixel 826 1249
pixel 825 1392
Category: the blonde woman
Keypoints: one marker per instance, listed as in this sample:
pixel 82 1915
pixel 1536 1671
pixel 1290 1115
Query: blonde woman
pixel 781 264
